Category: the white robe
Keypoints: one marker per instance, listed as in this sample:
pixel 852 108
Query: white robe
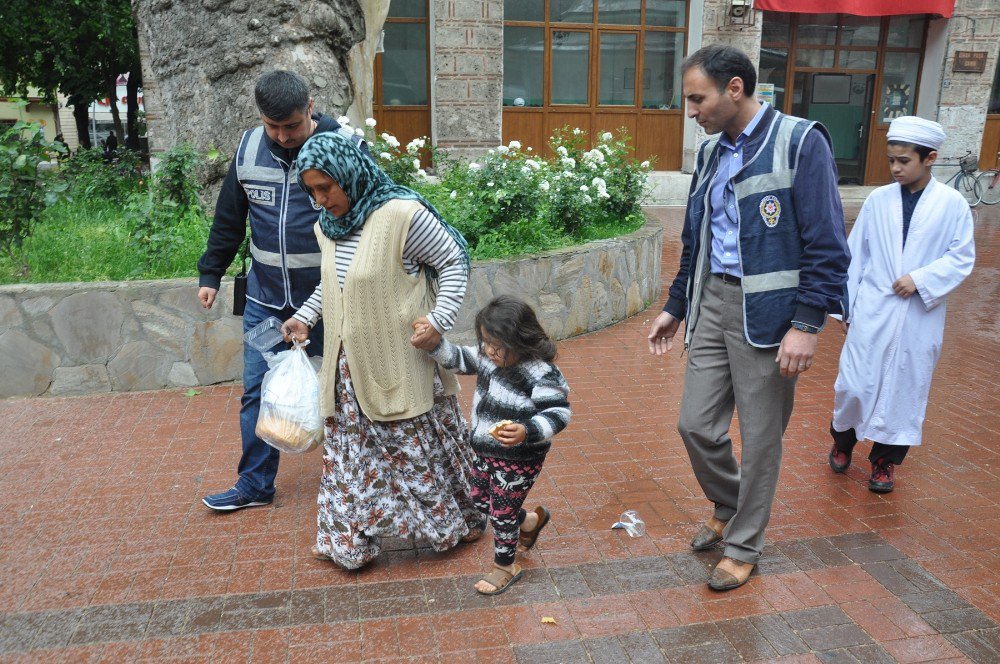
pixel 893 343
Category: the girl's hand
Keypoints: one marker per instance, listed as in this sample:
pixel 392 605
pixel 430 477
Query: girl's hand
pixel 425 336
pixel 295 330
pixel 511 434
pixel 904 286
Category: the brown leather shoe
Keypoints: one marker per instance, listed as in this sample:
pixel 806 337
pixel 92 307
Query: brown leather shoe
pixel 724 580
pixel 707 535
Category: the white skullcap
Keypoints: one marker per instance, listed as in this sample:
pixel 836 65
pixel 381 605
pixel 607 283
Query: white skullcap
pixel 911 129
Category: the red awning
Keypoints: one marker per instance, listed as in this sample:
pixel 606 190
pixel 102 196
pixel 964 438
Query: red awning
pixel 859 7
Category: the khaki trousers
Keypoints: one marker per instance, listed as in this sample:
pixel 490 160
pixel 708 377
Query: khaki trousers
pixel 725 372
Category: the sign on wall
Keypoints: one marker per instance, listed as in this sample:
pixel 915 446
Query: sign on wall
pixel 973 62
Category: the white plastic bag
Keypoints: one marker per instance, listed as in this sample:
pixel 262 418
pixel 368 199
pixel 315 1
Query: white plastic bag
pixel 289 417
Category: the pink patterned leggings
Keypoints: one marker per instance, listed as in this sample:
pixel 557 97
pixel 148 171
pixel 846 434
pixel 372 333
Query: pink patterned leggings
pixel 499 487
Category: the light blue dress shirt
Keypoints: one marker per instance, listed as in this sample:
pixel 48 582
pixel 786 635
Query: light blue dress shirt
pixel 722 198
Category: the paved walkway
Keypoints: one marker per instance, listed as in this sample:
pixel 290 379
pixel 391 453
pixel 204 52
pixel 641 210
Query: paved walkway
pixel 108 554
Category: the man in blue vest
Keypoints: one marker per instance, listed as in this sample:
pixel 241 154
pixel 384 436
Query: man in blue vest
pixel 764 259
pixel 285 258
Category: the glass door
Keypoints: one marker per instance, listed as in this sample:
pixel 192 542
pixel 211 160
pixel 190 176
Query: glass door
pixel 843 103
pixel 852 73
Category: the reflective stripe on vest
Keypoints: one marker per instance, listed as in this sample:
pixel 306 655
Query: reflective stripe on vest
pixel 294 260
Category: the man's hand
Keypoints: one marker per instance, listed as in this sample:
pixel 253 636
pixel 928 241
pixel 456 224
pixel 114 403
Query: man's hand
pixel 425 336
pixel 661 334
pixel 795 354
pixel 904 286
pixel 295 330
pixel 511 434
pixel 207 295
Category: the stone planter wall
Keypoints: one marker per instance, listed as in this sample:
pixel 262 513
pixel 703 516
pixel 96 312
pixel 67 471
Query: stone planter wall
pixel 82 338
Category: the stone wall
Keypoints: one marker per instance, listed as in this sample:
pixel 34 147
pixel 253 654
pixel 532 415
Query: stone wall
pixel 964 98
pixel 467 71
pixel 66 339
pixel 718 29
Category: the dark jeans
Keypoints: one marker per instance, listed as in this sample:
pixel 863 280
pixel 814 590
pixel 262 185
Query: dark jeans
pixel 259 462
pixel 846 440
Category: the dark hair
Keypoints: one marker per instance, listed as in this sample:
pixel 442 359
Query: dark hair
pixel 722 64
pixel 512 323
pixel 280 93
pixel 921 150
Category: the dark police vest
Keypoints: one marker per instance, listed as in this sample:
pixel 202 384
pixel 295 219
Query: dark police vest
pixel 285 255
pixel 770 245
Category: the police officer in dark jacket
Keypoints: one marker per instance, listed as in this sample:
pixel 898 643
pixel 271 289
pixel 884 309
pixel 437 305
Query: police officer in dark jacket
pixel 764 259
pixel 285 256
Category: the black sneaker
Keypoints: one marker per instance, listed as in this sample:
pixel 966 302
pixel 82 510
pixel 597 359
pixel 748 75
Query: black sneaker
pixel 227 501
pixel 882 474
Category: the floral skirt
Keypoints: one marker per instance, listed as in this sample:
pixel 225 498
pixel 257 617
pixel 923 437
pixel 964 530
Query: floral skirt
pixel 406 478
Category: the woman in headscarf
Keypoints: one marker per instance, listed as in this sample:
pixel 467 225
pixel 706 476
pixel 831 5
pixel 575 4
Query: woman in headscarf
pixel 396 457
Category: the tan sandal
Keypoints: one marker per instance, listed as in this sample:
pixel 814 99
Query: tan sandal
pixel 318 555
pixel 500 579
pixel 527 538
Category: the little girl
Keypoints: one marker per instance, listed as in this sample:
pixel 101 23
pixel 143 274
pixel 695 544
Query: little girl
pixel 519 404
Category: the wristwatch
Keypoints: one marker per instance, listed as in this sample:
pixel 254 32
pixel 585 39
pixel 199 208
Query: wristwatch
pixel 802 327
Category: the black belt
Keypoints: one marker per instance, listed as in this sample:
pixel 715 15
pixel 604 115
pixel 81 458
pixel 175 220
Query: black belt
pixel 727 278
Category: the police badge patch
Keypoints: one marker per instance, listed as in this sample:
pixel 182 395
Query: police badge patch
pixel 770 210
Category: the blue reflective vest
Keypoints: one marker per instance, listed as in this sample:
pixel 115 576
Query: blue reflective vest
pixel 770 241
pixel 285 265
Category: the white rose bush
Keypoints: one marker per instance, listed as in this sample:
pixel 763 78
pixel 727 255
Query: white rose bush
pixel 513 200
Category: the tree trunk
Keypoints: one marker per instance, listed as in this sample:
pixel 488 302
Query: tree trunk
pixel 81 114
pixel 115 115
pixel 132 112
pixel 200 61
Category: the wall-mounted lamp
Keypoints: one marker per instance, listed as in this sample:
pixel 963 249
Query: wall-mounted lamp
pixel 740 12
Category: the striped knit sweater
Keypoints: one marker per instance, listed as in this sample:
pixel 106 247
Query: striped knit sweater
pixel 532 393
pixel 427 243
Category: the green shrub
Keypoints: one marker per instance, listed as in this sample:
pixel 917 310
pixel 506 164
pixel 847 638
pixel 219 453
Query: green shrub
pixel 509 202
pixel 87 174
pixel 26 188
pixel 159 220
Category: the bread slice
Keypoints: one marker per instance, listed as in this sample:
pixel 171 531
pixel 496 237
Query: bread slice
pixel 495 429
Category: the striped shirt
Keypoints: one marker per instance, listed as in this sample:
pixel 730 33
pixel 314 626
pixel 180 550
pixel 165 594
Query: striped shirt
pixel 427 243
pixel 533 393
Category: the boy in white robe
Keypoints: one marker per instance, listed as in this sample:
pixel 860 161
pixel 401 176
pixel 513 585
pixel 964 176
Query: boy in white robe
pixel 911 245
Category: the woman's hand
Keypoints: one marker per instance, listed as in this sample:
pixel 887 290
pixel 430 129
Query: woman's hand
pixel 511 434
pixel 425 336
pixel 295 330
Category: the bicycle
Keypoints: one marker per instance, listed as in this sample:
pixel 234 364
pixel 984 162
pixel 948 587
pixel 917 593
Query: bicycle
pixel 965 179
pixel 989 184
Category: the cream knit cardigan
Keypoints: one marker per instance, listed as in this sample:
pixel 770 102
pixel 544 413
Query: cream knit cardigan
pixel 371 317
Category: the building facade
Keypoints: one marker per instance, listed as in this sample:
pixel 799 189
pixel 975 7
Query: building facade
pixel 474 73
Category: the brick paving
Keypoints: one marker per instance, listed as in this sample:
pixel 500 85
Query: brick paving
pixel 108 555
